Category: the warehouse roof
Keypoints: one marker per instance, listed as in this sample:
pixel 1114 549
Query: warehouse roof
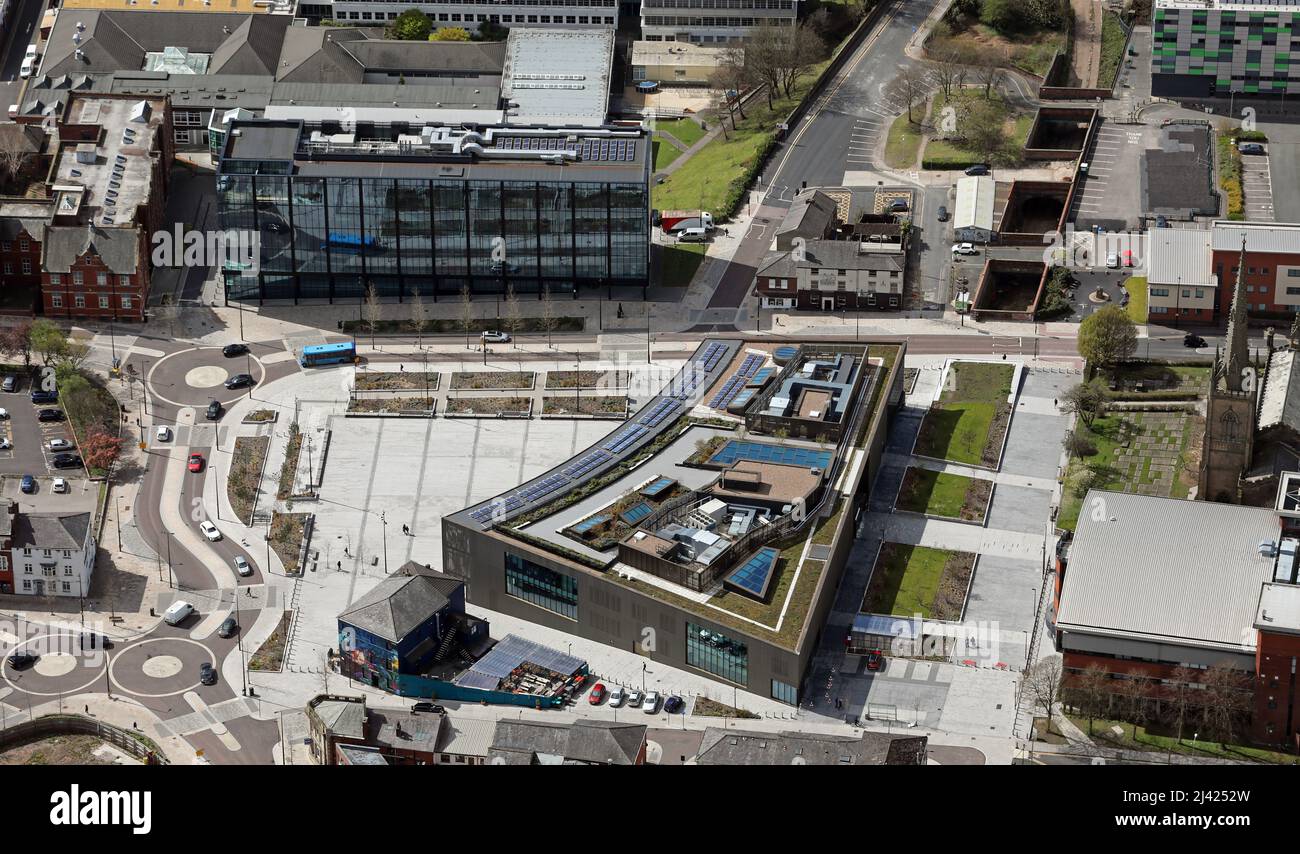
pixel 558 77
pixel 1180 256
pixel 974 208
pixel 1260 236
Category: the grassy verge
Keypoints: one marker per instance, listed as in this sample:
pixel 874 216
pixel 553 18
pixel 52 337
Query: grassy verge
pixel 1136 286
pixel 464 380
pixel 678 263
pixel 968 422
pixel 290 464
pixel 89 408
pixel 387 380
pixel 941 494
pixel 1143 738
pixel 1230 176
pixel 1113 42
pixel 287 530
pixel 911 580
pixel 593 405
pixel 245 474
pixel 270 655
pixel 903 143
pixel 488 405
pixel 665 153
pixel 686 131
pixel 955 154
pixel 706 708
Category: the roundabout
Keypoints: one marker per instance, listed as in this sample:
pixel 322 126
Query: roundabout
pixel 61 668
pixel 160 667
pixel 196 376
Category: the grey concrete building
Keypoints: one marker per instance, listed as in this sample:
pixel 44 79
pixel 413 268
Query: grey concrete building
pixel 713 21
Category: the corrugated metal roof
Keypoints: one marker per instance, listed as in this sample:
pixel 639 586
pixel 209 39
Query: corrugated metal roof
pixel 1179 256
pixel 1260 236
pixel 558 76
pixel 974 208
pixel 1281 400
pixel 1184 571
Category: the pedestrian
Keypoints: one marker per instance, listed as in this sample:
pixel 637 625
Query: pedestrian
pixel 401 369
pixel 340 566
pixel 1053 401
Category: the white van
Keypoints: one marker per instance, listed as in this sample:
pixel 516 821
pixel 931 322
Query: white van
pixel 693 235
pixel 177 612
pixel 25 70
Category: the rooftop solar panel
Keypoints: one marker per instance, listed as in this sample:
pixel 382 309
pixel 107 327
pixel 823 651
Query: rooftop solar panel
pixel 754 576
pixel 760 452
pixel 636 513
pixel 657 487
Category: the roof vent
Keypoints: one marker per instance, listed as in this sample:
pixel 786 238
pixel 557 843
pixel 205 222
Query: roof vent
pixel 1267 548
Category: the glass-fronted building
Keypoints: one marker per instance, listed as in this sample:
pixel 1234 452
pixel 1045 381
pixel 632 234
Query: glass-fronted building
pixel 1217 48
pixel 434 210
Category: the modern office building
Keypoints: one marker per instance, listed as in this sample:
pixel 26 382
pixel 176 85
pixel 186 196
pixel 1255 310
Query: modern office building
pixel 712 21
pixel 682 540
pixel 1203 48
pixel 408 206
pixel 470 14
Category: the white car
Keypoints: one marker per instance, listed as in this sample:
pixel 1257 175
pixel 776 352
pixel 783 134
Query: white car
pixel 60 485
pixel 242 567
pixel 29 64
pixel 31 50
pixel 60 445
pixel 965 249
pixel 210 531
pixel 493 336
pixel 1112 261
pixel 634 698
pixel 5 445
pixel 4 413
pixel 176 612
pixel 617 697
pixel 164 434
pixel 651 704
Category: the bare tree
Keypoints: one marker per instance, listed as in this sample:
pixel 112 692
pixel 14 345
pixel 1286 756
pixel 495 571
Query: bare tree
pixel 1086 400
pixel 1043 683
pixel 733 77
pixel 419 317
pixel 1227 701
pixel 1090 692
pixel 514 314
pixel 908 88
pixel 548 313
pixel 989 76
pixel 13 158
pixel 1181 695
pixel 466 312
pixel 1077 445
pixel 374 311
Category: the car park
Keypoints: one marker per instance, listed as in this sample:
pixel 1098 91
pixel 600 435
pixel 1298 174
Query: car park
pixel 425 706
pixel 674 704
pixel 239 381
pixel 234 350
pixel 207 673
pixel 59 485
pixel 651 703
pixel 21 660
pixel 493 336
pixel 617 697
pixel 164 434
pixel 60 445
pixel 10 383
pixel 177 612
pixel 597 694
pixel 242 567
pixel 196 462
pixel 28 484
pixel 227 628
pixel 43 396
pixel 66 461
pixel 50 415
pixel 214 410
pixel 210 531
pixel 964 249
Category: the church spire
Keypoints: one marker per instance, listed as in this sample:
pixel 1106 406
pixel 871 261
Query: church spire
pixel 1237 355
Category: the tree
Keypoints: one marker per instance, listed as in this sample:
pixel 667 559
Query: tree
pixel 411 25
pixel 732 77
pixel 491 31
pixel 548 313
pixel 100 448
pixel 374 311
pixel 48 341
pixel 1181 695
pixel 1085 400
pixel 1043 684
pixel 1226 701
pixel 800 54
pixel 14 157
pixel 980 123
pixel 450 34
pixel 1077 445
pixel 514 313
pixel 989 75
pixel 18 339
pixel 419 317
pixel 1106 337
pixel 1090 692
pixel 1134 691
pixel 1001 15
pixel 908 88
pixel 466 312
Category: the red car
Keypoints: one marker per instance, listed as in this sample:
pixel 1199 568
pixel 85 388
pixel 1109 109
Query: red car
pixel 875 661
pixel 1127 255
pixel 196 462
pixel 597 695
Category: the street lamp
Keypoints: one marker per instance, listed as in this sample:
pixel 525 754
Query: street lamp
pixel 383 517
pixel 171 577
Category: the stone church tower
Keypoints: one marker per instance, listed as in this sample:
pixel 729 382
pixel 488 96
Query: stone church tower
pixel 1233 402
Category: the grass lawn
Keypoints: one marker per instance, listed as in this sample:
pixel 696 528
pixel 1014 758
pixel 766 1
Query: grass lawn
pixel 960 426
pixel 944 494
pixel 678 263
pixel 716 177
pixel 1143 738
pixel 903 143
pixel 906 581
pixel 1137 299
pixel 1032 51
pixel 1112 50
pixel 665 153
pixel 686 131
pixel 1015 131
pixel 1230 176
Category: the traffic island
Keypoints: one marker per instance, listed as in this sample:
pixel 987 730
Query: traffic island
pixel 245 475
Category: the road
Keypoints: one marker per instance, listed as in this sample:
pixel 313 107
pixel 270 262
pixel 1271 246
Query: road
pixel 20 33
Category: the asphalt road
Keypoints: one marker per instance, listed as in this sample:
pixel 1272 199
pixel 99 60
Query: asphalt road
pixel 20 33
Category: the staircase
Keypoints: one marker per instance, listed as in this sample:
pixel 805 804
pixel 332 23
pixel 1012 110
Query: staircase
pixel 445 647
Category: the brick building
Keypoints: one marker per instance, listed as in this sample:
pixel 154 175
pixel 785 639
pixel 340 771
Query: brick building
pixel 22 227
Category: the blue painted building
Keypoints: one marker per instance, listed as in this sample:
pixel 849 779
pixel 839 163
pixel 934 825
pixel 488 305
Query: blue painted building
pixel 408 623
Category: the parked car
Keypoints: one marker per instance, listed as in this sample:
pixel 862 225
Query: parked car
pixel 28 484
pixel 617 696
pixel 242 567
pixel 898 206
pixel 210 531
pixel 207 673
pixel 964 249
pixel 978 169
pixel 597 694
pixel 10 383
pixel 1193 340
pixel 239 381
pixel 227 628
pixel 493 336
pixel 29 65
pixel 425 706
pixel 59 485
pixel 875 661
pixel 196 462
pixel 164 434
pixel 177 612
pixel 50 415
pixel 4 414
pixel 5 444
pixel 674 704
pixel 42 396
pixel 20 660
pixel 66 461
pixel 942 216
pixel 1112 261
pixel 234 350
pixel 60 445
pixel 651 704
pixel 1083 168
pixel 214 410
pixel 633 698
pixel 1250 148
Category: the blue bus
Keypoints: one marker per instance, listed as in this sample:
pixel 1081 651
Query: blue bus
pixel 328 354
pixel 351 244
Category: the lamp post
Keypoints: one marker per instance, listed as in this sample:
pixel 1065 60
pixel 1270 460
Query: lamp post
pixel 383 517
pixel 117 519
pixel 171 576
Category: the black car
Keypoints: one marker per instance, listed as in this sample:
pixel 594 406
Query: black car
pixel 92 640
pixel 234 350
pixel 214 410
pixel 239 381
pixel 45 396
pixel 943 213
pixel 898 205
pixel 978 169
pixel 1192 340
pixel 228 628
pixel 674 704
pixel 66 461
pixel 429 707
pixel 50 415
pixel 207 674
pixel 19 660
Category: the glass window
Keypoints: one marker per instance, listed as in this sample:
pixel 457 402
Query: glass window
pixel 541 586
pixel 717 653
pixel 785 693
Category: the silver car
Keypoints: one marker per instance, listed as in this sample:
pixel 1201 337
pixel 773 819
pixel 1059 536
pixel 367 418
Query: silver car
pixel 242 567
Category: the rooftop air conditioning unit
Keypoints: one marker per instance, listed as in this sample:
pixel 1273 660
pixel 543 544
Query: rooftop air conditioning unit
pixel 1267 548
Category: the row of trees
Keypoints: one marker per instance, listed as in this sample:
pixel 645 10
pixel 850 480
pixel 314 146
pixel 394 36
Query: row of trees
pixel 418 319
pixel 771 58
pixel 1010 16
pixel 414 25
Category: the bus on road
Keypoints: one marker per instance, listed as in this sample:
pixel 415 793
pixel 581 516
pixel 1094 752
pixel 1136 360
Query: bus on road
pixel 350 244
pixel 344 352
